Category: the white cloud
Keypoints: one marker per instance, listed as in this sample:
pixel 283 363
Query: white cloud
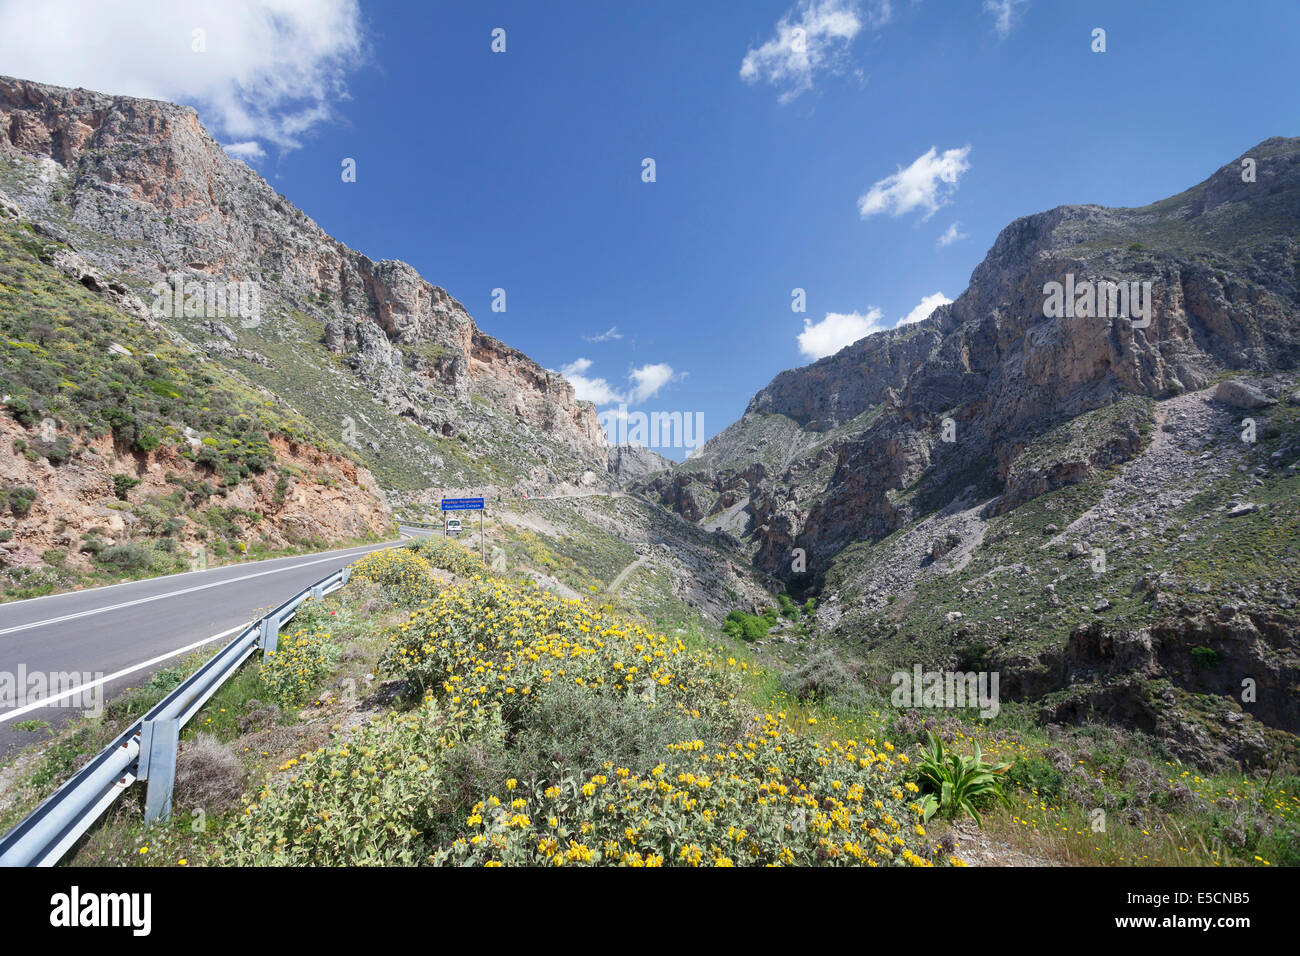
pixel 611 333
pixel 271 69
pixel 836 331
pixel 1003 13
pixel 813 36
pixel 950 235
pixel 648 380
pixel 643 383
pixel 249 151
pixel 924 308
pixel 926 184
pixel 588 389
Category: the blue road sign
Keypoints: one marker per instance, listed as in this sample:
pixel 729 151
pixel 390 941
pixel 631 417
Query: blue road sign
pixel 462 504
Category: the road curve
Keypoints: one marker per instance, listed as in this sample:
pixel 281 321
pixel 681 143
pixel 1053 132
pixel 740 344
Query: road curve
pixel 114 637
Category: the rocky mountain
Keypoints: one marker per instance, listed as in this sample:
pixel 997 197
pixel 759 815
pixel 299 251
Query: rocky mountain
pixel 123 451
pixel 947 488
pixel 375 356
pixel 1083 474
pixel 630 462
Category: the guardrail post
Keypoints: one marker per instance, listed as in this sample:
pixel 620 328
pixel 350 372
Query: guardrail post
pixel 270 635
pixel 148 754
pixel 317 591
pixel 347 573
pixel 157 766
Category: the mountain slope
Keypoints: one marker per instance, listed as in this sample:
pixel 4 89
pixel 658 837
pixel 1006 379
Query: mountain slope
pixel 922 472
pixel 123 452
pixel 365 349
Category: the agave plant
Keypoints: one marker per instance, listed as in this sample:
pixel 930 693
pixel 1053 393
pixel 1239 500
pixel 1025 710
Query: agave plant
pixel 954 784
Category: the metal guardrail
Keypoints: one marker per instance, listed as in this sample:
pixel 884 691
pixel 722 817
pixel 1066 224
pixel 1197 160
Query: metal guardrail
pixel 147 749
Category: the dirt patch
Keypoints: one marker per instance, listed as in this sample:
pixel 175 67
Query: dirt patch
pixel 978 848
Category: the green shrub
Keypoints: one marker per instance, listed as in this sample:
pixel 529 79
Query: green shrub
pixel 954 785
pixel 747 627
pixel 21 499
pixel 300 662
pixel 571 732
pixel 789 609
pixel 167 678
pixel 55 452
pixel 1036 775
pixel 281 491
pixel 123 484
pixel 1206 658
pixel 128 557
pixel 822 678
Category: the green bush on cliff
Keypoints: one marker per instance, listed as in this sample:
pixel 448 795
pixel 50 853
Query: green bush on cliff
pixel 68 356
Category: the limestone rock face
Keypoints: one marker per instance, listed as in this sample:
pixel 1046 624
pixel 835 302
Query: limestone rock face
pixel 1242 395
pixel 630 462
pixel 139 188
pixel 916 418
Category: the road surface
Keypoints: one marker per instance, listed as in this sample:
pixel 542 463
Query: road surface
pixel 103 640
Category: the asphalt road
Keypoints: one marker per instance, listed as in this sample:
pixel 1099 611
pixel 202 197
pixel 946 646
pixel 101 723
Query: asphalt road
pixel 104 640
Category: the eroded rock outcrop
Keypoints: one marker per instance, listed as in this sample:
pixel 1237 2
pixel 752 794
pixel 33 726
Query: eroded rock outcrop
pixel 916 417
pixel 138 187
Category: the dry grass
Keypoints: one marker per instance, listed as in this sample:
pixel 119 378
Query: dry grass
pixel 208 776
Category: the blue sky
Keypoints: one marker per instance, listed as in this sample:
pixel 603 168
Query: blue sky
pixel 773 154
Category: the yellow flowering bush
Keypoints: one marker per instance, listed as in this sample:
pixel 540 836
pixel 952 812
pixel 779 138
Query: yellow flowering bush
pixel 300 662
pixel 496 641
pixel 403 572
pixel 544 735
pixel 448 555
pixel 371 799
pixel 775 797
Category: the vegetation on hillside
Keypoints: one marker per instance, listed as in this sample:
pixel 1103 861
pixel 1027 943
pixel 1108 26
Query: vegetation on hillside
pixel 74 368
pixel 509 726
pixel 68 356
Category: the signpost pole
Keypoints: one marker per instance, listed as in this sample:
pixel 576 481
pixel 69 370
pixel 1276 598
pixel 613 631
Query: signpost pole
pixel 482 541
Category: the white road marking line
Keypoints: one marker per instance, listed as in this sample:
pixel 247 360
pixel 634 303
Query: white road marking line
pixel 80 688
pixel 160 597
pixel 180 574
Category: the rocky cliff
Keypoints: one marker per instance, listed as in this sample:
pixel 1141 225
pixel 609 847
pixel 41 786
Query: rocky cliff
pixel 1100 502
pixel 142 191
pixel 860 442
pixel 629 462
pixel 124 449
